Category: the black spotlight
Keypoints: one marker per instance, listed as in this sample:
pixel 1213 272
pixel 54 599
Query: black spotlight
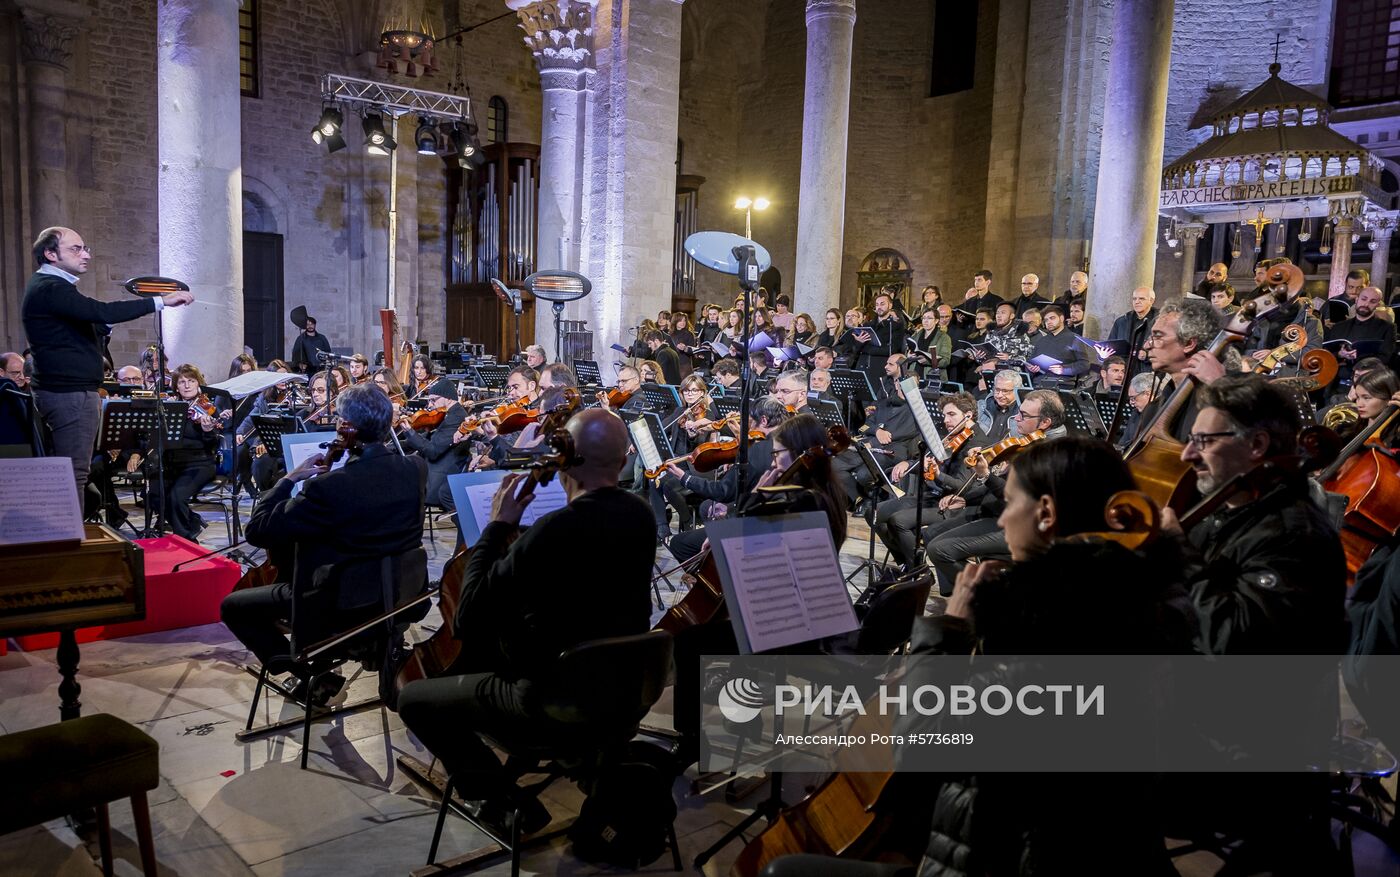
pixel 328 126
pixel 377 140
pixel 426 137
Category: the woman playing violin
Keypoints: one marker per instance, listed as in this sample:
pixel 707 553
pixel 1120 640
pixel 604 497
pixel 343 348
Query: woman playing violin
pixel 1118 602
pixel 689 427
pixel 318 411
pixel 650 371
pixel 421 373
pixel 189 462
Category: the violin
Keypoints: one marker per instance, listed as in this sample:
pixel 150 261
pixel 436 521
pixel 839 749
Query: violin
pixel 993 454
pixel 1368 475
pixel 952 444
pixel 346 441
pixel 704 602
pixel 428 418
pixel 707 456
pixel 614 398
pixel 443 653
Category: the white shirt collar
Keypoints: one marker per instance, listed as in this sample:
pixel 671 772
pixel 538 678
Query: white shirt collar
pixel 58 272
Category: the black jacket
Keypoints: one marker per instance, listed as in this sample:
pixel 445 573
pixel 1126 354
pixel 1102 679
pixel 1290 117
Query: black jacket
pixel 1268 578
pixel 726 488
pixel 304 351
pixel 65 330
pixel 525 603
pixel 889 335
pixel 371 507
pixel 670 363
pixel 443 457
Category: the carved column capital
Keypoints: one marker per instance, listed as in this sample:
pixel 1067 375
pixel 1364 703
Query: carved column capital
pixel 819 9
pixel 559 33
pixel 1383 228
pixel 47 32
pixel 1191 232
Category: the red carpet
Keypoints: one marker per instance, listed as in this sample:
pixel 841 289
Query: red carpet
pixel 186 598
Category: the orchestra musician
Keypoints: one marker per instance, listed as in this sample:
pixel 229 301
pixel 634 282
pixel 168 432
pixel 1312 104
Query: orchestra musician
pixel 359 368
pixel 189 462
pixel 309 345
pixel 888 429
pixel 522 606
pixel 557 374
pixel 689 426
pixel 326 524
pixel 65 330
pixel 1372 394
pixel 439 446
pixel 420 375
pixel 1177 342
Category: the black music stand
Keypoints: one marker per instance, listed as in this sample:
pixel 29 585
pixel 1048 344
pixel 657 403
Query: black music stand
pixel 883 486
pixel 137 423
pixel 827 412
pixel 271 428
pixel 661 397
pixel 655 427
pixel 1080 415
pixel 491 376
pixel 726 405
pixel 589 375
pixel 1107 405
pixel 854 387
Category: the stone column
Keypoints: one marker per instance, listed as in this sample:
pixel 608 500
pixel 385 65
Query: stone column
pixel 1346 211
pixel 821 198
pixel 559 33
pixel 1130 159
pixel 201 178
pixel 629 200
pixel 1191 234
pixel 1380 256
pixel 47 31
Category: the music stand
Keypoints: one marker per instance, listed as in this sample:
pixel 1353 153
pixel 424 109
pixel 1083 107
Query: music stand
pixel 271 428
pixel 655 429
pixel 661 397
pixel 491 376
pixel 854 387
pixel 131 423
pixel 883 487
pixel 1081 416
pixel 589 375
pixel 827 412
pixel 157 287
pixel 557 287
pixel 726 405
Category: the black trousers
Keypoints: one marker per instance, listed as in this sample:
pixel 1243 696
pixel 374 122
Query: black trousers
pixel 253 615
pixel 182 482
pixel 894 524
pixel 949 550
pixel 855 478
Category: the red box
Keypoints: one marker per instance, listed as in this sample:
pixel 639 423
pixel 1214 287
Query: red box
pixel 185 598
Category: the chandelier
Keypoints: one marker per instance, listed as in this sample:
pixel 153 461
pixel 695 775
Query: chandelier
pixel 412 44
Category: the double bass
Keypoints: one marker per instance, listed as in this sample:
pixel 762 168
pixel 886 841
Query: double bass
pixel 1154 457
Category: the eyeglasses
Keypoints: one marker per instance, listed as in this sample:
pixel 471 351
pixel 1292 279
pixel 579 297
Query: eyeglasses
pixel 75 249
pixel 1022 415
pixel 1201 440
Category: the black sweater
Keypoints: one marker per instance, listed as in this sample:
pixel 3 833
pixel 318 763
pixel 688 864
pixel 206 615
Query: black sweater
pixel 65 330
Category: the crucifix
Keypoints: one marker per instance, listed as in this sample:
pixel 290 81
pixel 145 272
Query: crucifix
pixel 1278 38
pixel 1258 223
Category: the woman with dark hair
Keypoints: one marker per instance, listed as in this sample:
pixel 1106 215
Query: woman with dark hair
pixel 420 375
pixel 682 336
pixel 1066 591
pixel 242 364
pixel 1371 394
pixel 802 329
pixel 811 472
pixel 833 331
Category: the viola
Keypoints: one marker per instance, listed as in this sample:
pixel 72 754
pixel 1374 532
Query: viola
pixel 614 397
pixel 993 454
pixel 443 653
pixel 707 456
pixel 1368 475
pixel 428 418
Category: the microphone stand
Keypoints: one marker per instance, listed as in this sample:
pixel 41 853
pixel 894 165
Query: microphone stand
pixel 748 282
pixel 160 430
pixel 1118 411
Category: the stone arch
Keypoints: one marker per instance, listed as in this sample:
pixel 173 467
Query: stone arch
pixel 263 209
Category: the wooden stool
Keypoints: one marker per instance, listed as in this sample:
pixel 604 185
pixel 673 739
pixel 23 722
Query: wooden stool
pixel 70 766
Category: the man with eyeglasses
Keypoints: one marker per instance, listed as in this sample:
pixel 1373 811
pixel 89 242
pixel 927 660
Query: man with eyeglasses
pixel 1177 349
pixel 1134 326
pixel 996 409
pixel 1266 575
pixel 1030 296
pixel 65 330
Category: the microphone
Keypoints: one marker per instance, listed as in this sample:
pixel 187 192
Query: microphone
pixel 323 356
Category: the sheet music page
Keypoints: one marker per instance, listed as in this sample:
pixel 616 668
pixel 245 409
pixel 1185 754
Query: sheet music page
pixel 788 587
pixel 255 382
pixel 296 448
pixel 646 446
pixel 547 499
pixel 923 419
pixel 38 501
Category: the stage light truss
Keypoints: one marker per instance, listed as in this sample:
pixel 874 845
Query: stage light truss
pixel 395 100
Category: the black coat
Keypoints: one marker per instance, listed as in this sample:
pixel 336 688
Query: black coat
pixel 371 507
pixel 304 351
pixel 65 330
pixel 443 457
pixel 524 603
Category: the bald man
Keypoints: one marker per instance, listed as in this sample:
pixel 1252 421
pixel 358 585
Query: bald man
pixel 1217 273
pixel 1135 326
pixel 525 602
pixel 1030 296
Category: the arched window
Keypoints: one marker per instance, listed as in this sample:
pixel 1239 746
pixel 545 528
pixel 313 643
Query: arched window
pixel 497 118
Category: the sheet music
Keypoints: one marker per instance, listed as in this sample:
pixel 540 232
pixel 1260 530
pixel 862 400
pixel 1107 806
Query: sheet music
pixel 645 445
pixel 38 501
pixel 254 382
pixel 923 419
pixel 788 586
pixel 296 448
pixel 473 491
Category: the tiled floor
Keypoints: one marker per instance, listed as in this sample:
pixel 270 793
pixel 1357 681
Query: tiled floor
pixel 225 808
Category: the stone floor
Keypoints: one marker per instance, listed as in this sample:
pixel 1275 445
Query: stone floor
pixel 229 808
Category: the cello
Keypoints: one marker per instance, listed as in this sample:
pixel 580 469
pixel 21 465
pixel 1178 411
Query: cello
pixel 1154 456
pixel 1368 475
pixel 443 653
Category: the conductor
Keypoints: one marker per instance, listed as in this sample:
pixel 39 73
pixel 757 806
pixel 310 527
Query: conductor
pixel 65 330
